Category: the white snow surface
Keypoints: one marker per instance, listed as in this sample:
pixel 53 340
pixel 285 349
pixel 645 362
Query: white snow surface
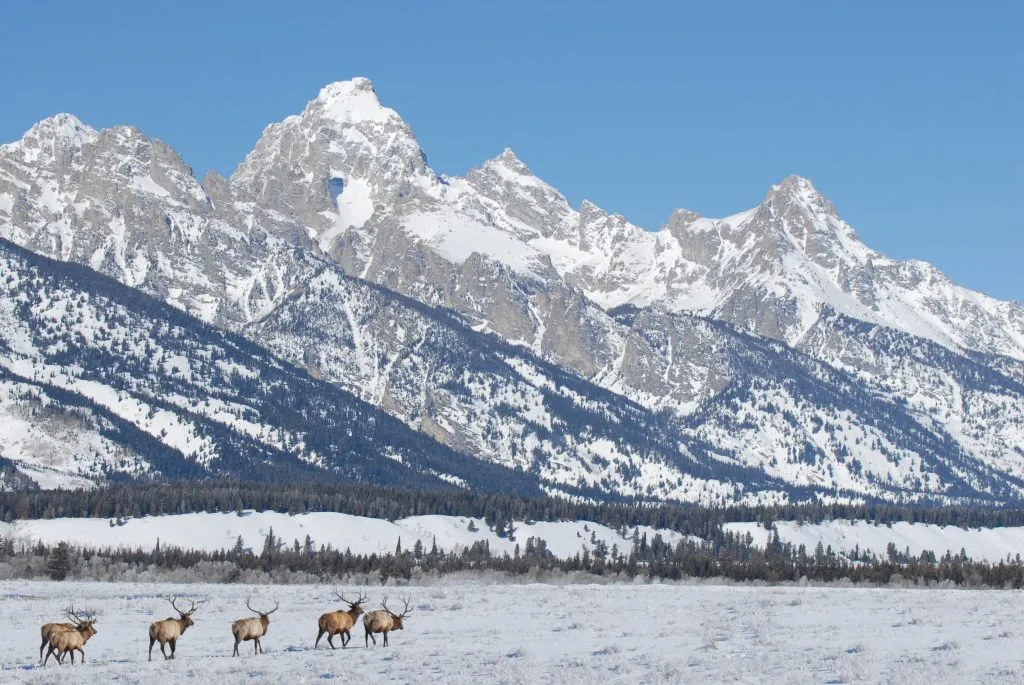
pixel 467 632
pixel 982 544
pixel 362 535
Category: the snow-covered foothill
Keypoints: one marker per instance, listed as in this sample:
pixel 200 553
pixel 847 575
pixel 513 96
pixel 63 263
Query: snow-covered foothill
pixel 843 536
pixel 362 535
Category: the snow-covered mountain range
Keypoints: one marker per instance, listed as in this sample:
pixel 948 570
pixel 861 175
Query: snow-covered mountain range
pixel 758 356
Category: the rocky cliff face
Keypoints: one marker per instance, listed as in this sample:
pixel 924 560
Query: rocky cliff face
pixel 772 339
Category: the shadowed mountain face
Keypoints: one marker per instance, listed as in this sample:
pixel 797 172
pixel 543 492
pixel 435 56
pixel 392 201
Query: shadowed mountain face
pixel 757 356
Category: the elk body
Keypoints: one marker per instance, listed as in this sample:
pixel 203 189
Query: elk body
pixel 64 640
pixel 334 622
pixel 383 621
pixel 245 629
pixel 169 630
pixel 49 630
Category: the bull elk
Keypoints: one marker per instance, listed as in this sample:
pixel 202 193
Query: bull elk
pixel 245 629
pixel 169 630
pixel 384 621
pixel 64 640
pixel 335 622
pixel 48 630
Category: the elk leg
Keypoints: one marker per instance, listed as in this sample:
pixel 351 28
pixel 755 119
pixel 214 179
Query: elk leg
pixel 45 641
pixel 174 644
pixel 48 653
pixel 151 641
pixel 235 653
pixel 345 637
pixel 385 638
pixel 256 646
pixel 370 635
pixel 330 641
pixel 82 651
pixel 162 650
pixel 72 652
pixel 318 636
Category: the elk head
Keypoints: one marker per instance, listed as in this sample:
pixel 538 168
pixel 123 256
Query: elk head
pixel 264 615
pixel 355 607
pixel 396 619
pixel 186 616
pixel 85 625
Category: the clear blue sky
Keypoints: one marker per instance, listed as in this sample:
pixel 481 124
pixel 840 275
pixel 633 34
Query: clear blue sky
pixel 908 116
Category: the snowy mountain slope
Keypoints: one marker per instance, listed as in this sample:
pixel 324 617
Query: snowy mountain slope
pixel 978 400
pixel 483 396
pixel 126 205
pixel 345 182
pixel 810 423
pixel 135 387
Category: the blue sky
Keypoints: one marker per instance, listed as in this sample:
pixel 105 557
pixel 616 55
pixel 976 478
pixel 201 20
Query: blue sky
pixel 906 115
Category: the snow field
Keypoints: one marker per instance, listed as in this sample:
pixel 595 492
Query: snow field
pixel 475 633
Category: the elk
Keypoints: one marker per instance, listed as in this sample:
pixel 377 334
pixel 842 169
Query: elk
pixel 64 640
pixel 169 630
pixel 335 622
pixel 252 628
pixel 48 630
pixel 384 621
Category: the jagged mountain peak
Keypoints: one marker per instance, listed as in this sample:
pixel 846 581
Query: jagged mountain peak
pixel 510 160
pixel 65 126
pixel 509 168
pixel 798 192
pixel 63 131
pixel 350 101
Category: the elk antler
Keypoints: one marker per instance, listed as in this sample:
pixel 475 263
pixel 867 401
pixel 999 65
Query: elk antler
pixel 262 613
pixel 405 609
pixel 191 611
pixel 362 598
pixel 79 621
pixel 72 616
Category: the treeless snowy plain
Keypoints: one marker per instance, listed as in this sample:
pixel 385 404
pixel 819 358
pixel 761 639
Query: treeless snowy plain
pixel 465 632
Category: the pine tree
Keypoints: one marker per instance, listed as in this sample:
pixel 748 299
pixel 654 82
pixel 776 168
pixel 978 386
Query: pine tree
pixel 58 564
pixel 270 545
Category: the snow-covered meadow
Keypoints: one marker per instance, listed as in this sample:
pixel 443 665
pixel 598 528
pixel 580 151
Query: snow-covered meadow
pixel 475 633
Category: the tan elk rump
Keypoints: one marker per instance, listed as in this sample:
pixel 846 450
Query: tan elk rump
pixel 169 630
pixel 245 629
pixel 73 640
pixel 340 622
pixel 384 621
pixel 48 630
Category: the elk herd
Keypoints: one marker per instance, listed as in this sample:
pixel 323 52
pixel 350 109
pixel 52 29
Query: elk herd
pixel 70 637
